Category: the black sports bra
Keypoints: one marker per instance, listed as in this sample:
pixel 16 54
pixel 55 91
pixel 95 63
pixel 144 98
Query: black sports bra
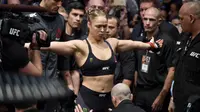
pixel 95 67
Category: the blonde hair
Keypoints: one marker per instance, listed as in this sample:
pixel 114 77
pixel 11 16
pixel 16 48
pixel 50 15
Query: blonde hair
pixel 93 13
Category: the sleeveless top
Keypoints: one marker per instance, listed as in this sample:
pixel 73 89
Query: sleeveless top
pixel 96 67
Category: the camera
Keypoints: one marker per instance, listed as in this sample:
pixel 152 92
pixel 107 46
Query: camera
pixel 15 26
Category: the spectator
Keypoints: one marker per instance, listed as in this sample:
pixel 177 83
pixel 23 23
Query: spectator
pixel 164 15
pixel 125 67
pixel 67 65
pixel 177 23
pixel 173 11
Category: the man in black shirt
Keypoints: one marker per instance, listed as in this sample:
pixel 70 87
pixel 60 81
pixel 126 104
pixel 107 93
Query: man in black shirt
pixel 122 99
pixel 75 14
pixel 67 64
pixel 186 78
pixel 151 92
pixel 165 27
pixel 54 23
pixel 124 72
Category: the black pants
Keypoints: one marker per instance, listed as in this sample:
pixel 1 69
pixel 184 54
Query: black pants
pixel 146 96
pixel 98 102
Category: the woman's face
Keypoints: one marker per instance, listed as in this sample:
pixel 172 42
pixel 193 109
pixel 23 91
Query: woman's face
pixel 98 27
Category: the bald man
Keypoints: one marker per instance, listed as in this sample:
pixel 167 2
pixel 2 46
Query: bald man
pixel 164 26
pixel 187 73
pixel 152 90
pixel 122 99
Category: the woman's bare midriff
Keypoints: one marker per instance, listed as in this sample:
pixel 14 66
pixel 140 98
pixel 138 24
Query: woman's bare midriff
pixel 100 84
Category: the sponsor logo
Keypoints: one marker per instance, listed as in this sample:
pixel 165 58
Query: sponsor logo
pixel 105 68
pixel 32 15
pixel 102 95
pixel 194 54
pixel 14 32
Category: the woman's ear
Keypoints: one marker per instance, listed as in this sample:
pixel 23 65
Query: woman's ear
pixel 89 24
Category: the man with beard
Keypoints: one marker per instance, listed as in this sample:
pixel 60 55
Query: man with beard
pixel 54 23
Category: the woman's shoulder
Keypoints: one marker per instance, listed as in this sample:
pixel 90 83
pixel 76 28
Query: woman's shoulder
pixel 112 40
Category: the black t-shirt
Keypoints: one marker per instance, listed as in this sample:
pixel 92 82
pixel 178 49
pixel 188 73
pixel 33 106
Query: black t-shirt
pixel 68 62
pixel 14 55
pixel 75 35
pixel 158 64
pixel 187 72
pixel 126 66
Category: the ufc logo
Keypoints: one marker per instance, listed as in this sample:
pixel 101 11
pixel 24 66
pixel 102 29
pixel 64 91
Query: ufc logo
pixel 14 32
pixel 105 68
pixel 194 54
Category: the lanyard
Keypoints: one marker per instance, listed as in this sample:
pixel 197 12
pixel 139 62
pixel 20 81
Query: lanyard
pixel 187 45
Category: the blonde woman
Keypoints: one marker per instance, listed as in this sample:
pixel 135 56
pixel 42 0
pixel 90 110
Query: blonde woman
pixel 96 59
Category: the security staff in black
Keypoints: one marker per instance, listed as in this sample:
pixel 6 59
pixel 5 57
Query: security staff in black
pixel 152 67
pixel 187 69
pixel 165 27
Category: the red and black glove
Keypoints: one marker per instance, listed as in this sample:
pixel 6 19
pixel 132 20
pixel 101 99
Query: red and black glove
pixel 155 47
